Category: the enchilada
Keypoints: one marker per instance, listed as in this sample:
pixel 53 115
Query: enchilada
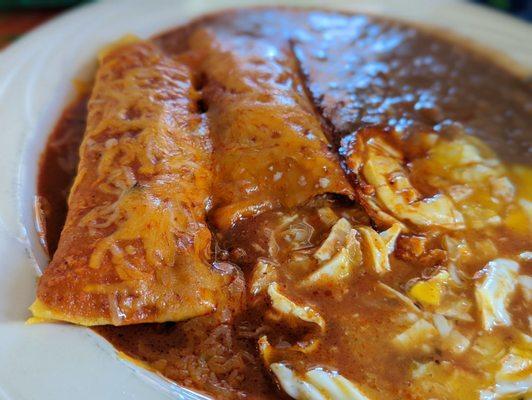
pixel 135 246
pixel 270 149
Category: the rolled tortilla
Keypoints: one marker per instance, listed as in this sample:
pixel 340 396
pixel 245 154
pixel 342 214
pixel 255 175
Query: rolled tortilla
pixel 135 246
pixel 269 147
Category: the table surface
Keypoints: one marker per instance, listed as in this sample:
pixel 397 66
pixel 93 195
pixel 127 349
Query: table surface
pixel 15 23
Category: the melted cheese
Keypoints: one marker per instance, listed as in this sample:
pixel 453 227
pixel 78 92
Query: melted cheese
pixel 135 246
pixel 269 147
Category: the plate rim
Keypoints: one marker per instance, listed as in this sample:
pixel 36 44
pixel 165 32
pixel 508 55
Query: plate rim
pixel 22 58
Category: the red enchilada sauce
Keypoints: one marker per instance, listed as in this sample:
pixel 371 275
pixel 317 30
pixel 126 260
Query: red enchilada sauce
pixel 360 72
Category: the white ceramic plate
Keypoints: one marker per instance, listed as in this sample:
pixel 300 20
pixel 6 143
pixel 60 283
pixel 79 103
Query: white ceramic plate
pixel 61 362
